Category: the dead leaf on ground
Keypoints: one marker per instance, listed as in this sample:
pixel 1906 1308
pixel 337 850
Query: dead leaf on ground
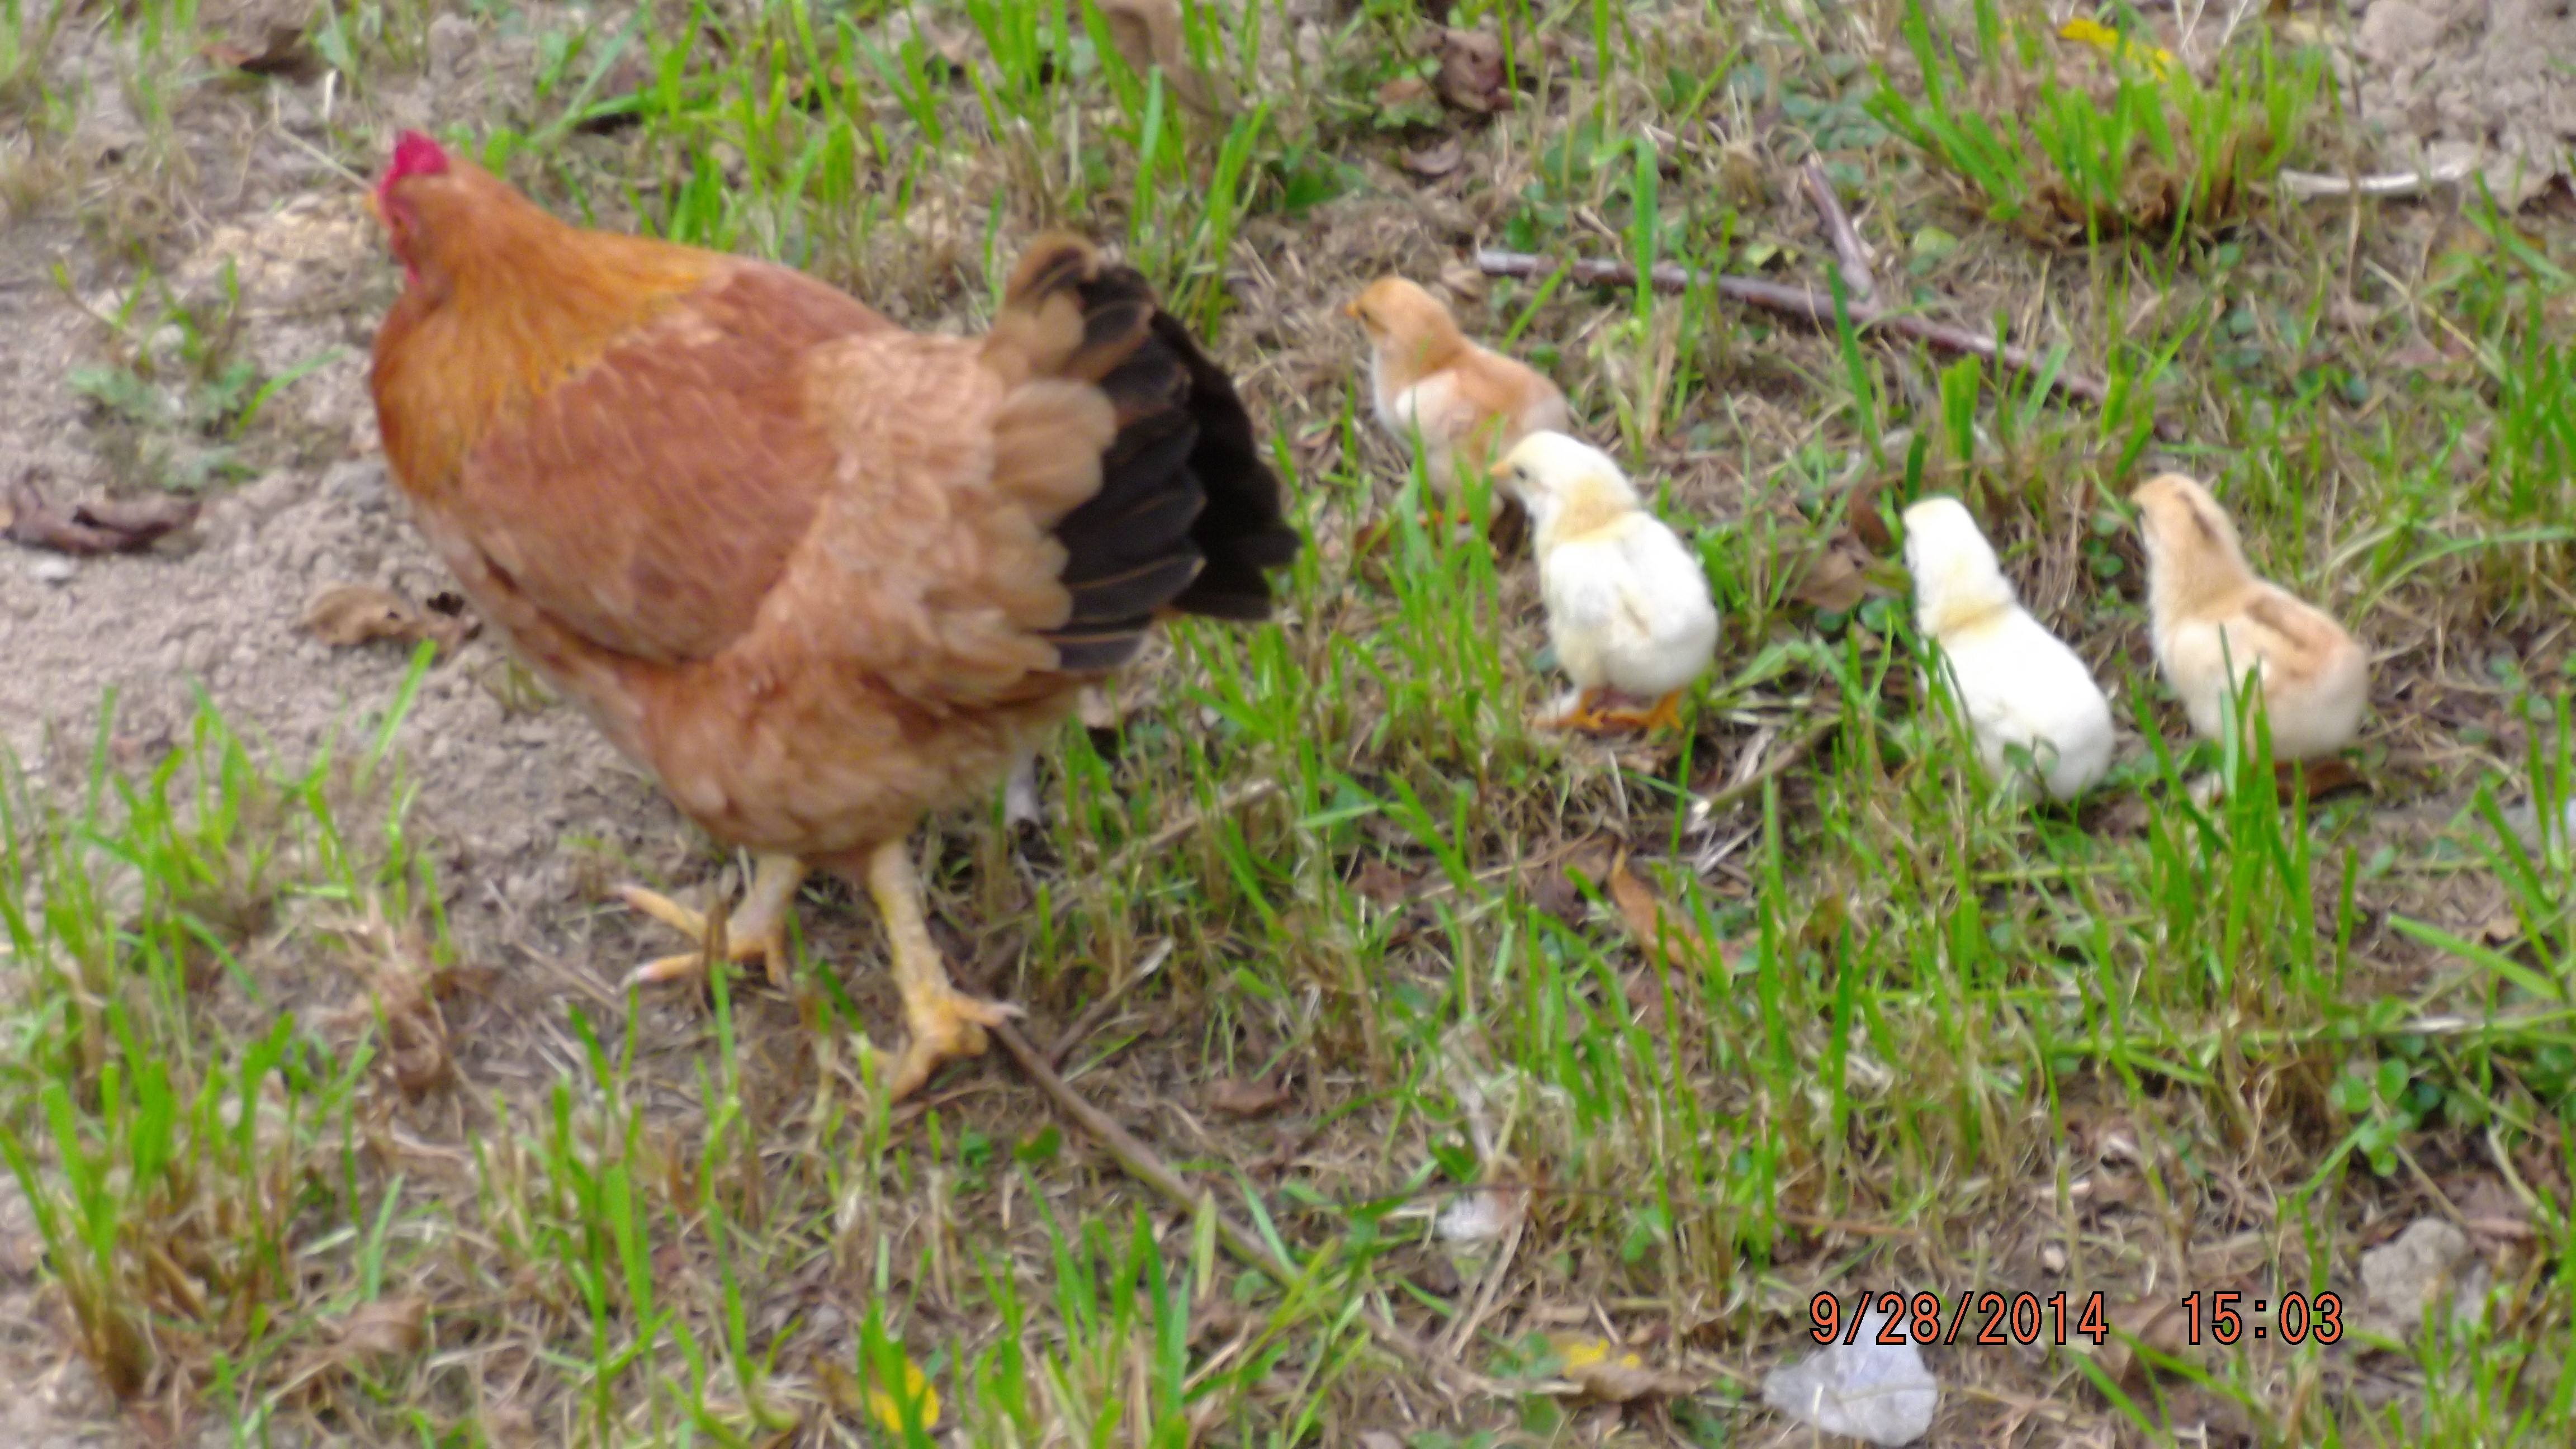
pixel 1148 34
pixel 385 1328
pixel 1599 1369
pixel 1835 578
pixel 1402 91
pixel 2160 1324
pixel 282 53
pixel 1385 885
pixel 403 998
pixel 1658 931
pixel 347 615
pixel 1434 162
pixel 2489 1209
pixel 1472 76
pixel 105 525
pixel 1259 1097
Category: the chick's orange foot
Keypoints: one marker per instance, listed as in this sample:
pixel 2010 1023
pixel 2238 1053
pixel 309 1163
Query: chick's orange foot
pixel 1606 712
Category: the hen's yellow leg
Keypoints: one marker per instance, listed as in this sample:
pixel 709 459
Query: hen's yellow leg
pixel 759 929
pixel 944 1022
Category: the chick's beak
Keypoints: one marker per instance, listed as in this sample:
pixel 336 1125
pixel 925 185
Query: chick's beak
pixel 1500 471
pixel 1351 310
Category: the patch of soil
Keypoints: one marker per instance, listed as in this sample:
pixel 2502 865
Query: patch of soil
pixel 2482 78
pixel 49 1397
pixel 218 606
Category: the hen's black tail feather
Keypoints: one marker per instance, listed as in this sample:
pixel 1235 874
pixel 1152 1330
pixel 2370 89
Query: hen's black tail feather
pixel 1188 518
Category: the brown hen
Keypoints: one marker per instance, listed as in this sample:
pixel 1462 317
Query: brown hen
pixel 819 574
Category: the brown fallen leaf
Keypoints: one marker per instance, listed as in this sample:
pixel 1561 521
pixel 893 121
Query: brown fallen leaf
pixel 2160 1324
pixel 1402 91
pixel 99 526
pixel 403 1001
pixel 1149 35
pixel 1836 577
pixel 1666 936
pixel 1601 1370
pixel 1383 884
pixel 1433 162
pixel 347 615
pixel 385 1328
pixel 1472 76
pixel 282 53
pixel 1236 1097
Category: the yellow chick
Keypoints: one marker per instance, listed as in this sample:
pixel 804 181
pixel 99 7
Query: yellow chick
pixel 2017 684
pixel 1627 605
pixel 2209 612
pixel 1468 402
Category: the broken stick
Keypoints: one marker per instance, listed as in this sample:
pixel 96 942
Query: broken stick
pixel 1803 302
pixel 1858 285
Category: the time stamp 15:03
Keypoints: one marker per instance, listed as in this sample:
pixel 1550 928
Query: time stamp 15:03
pixel 2025 1319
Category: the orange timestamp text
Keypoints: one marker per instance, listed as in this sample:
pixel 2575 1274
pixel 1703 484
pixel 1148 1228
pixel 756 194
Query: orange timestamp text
pixel 2025 1319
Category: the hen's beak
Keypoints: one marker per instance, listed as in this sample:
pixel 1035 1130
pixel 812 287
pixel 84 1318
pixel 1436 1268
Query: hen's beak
pixel 375 209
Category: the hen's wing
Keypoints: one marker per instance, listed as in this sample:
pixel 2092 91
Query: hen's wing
pixel 648 502
pixel 1024 503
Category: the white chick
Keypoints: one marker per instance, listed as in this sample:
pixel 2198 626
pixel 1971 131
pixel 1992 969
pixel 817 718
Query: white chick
pixel 2018 684
pixel 2210 611
pixel 1464 399
pixel 1627 605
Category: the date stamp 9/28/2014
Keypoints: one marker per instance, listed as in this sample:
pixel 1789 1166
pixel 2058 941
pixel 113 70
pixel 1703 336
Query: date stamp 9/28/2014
pixel 2026 1319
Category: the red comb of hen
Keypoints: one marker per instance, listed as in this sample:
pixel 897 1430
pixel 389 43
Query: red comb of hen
pixel 416 155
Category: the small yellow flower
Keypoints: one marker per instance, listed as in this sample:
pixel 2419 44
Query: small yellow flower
pixel 2158 63
pixel 916 1387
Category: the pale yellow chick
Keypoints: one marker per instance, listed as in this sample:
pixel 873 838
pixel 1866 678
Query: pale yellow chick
pixel 2018 685
pixel 1469 403
pixel 2209 612
pixel 1628 606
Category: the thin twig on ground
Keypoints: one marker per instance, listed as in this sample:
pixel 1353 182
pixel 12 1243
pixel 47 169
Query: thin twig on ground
pixel 1858 285
pixel 1099 1010
pixel 1803 302
pixel 1790 754
pixel 1154 844
pixel 1145 1167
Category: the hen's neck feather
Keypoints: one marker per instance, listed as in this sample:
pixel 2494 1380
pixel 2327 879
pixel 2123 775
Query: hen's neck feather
pixel 508 303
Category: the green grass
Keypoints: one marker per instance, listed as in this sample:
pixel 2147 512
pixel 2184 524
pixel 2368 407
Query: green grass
pixel 302 1161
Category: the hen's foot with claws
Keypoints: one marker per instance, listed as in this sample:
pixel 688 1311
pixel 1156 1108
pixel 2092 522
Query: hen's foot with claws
pixel 757 931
